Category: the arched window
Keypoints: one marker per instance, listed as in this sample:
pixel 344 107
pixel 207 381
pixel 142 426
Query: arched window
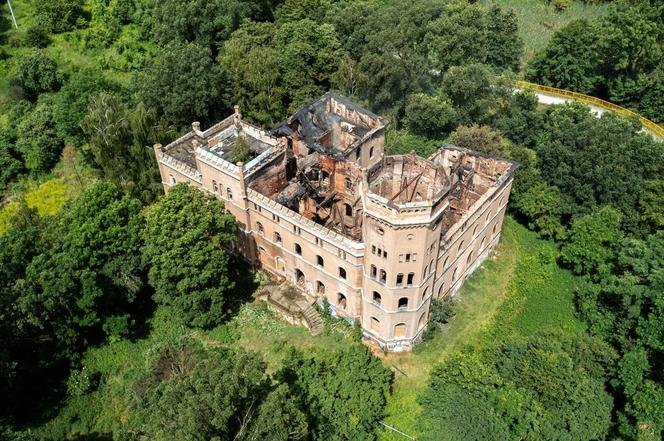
pixel 488 214
pixel 259 228
pixel 261 249
pixel 376 298
pixel 341 300
pixel 440 290
pixel 403 303
pixel 320 261
pixel 348 183
pixel 383 276
pixel 171 179
pixel 373 272
pixel 399 279
pixel 371 150
pixel 229 193
pixel 277 237
pixel 422 321
pixel 482 243
pixel 425 293
pixel 409 281
pixel 470 258
pixel 447 259
pixel 459 248
pixel 299 277
pixel 342 273
pixel 320 287
pixel 454 274
pixel 349 209
pixel 375 324
pixel 495 227
pixel 400 330
pixel 215 187
pixel 475 230
pixel 298 249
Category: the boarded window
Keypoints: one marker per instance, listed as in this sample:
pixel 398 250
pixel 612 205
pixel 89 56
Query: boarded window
pixel 400 330
pixel 375 324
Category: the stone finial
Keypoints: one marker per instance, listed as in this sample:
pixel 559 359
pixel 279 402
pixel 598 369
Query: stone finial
pixel 157 147
pixel 240 164
pixel 237 116
pixel 196 126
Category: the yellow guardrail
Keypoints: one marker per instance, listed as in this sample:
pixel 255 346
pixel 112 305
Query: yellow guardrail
pixel 655 129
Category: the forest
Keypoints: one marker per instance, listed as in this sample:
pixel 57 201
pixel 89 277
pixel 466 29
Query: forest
pixel 122 315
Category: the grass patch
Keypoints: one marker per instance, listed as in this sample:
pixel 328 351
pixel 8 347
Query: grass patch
pixel 519 292
pixel 538 19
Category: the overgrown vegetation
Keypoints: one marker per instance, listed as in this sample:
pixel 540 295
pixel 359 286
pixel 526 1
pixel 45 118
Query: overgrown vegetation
pixel 135 315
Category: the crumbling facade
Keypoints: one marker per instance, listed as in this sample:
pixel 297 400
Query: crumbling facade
pixel 321 205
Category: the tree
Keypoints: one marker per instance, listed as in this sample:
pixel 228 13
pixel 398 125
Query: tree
pixel 204 23
pixel 504 45
pixel 476 93
pixel 185 84
pixel 198 393
pixel 429 116
pixel 520 121
pixel 253 64
pixel 589 246
pixel 71 103
pixel 541 205
pixel 344 394
pixel 189 269
pixel 309 54
pixel 121 143
pixel 10 165
pixel 37 73
pixel 279 419
pixel 569 60
pixel 652 103
pixel 240 151
pixel 61 15
pixel 480 138
pixel 38 141
pixel 466 399
pixel 87 282
pixel 597 161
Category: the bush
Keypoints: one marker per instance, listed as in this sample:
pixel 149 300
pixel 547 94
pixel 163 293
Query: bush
pixel 37 73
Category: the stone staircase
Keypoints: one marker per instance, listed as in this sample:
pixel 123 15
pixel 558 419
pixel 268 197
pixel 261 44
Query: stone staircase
pixel 313 319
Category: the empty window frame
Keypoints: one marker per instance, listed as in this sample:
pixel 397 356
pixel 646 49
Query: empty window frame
pixel 259 228
pixel 403 304
pixel 342 273
pixel 408 257
pixel 383 276
pixel 348 209
pixel 320 287
pixel 341 300
pixel 229 193
pixel 399 279
pixel 215 187
pixel 376 297
pixel 348 183
pixel 373 272
pixel 171 179
pixel 319 261
pixel 411 277
pixel 277 237
pixel 298 249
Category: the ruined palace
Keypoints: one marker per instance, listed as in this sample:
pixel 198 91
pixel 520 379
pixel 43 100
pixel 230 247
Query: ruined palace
pixel 320 204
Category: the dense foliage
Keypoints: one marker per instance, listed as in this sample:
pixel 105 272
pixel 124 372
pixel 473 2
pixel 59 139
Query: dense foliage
pixel 618 57
pixel 94 85
pixel 188 268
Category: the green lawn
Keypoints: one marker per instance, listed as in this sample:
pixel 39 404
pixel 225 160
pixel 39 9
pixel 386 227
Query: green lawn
pixel 538 19
pixel 519 292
